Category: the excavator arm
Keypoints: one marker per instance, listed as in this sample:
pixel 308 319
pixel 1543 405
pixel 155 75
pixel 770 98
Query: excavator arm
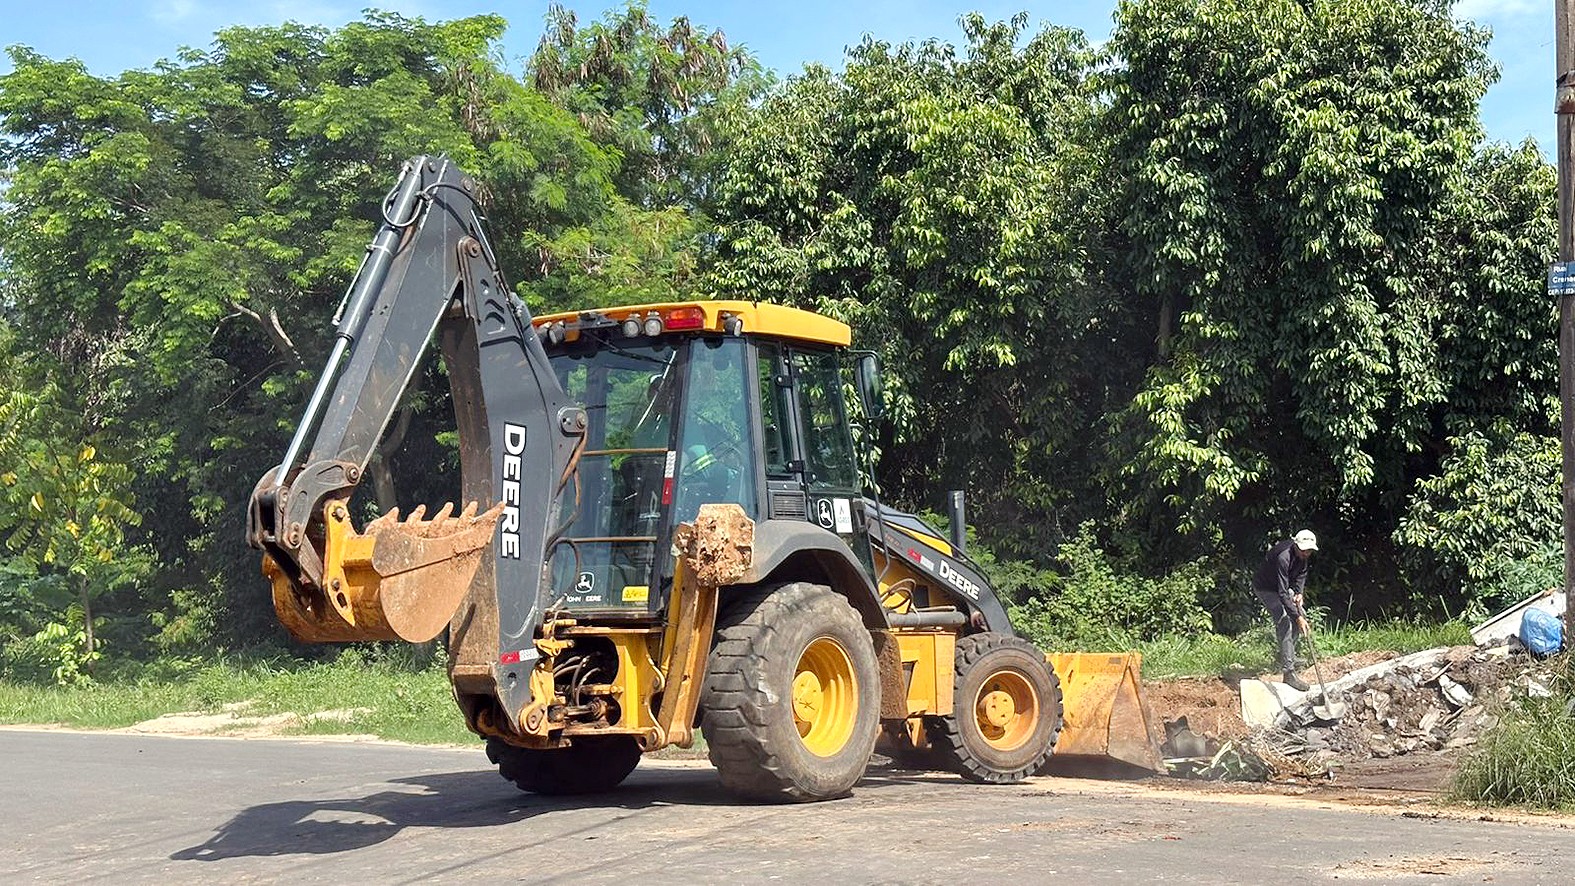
pixel 428 273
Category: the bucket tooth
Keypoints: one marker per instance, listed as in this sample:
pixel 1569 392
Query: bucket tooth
pixel 416 514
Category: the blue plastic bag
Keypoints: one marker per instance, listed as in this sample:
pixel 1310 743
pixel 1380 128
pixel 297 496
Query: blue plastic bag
pixel 1542 633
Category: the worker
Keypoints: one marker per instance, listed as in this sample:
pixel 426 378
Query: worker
pixel 1279 583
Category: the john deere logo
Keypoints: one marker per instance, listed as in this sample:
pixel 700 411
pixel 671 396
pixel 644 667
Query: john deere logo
pixel 586 584
pixel 823 513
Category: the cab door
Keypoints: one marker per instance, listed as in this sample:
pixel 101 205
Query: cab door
pixel 810 466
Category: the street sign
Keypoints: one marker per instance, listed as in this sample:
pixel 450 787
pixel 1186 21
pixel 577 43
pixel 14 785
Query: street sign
pixel 1561 278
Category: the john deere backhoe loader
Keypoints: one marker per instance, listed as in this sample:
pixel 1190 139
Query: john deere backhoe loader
pixel 664 529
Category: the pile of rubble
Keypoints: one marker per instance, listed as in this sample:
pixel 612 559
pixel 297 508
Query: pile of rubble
pixel 1436 701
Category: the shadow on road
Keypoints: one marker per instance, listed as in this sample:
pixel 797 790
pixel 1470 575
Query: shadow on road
pixel 446 800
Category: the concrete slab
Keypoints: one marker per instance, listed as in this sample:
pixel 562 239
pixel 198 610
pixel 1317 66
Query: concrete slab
pixel 1266 703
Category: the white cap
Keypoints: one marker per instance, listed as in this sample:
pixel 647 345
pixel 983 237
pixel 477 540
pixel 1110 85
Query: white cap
pixel 1305 540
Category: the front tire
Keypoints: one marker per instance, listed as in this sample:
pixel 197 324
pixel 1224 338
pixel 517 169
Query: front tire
pixel 791 698
pixel 1006 711
pixel 589 766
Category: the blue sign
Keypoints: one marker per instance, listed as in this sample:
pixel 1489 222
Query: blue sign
pixel 1561 278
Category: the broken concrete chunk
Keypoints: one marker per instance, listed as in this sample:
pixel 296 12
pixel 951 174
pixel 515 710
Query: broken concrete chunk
pixel 1429 720
pixel 1265 703
pixel 1379 702
pixel 1456 694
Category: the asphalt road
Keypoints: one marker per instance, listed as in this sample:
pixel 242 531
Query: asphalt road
pixel 94 807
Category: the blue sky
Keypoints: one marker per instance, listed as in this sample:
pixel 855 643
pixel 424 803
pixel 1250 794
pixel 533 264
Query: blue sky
pixel 110 37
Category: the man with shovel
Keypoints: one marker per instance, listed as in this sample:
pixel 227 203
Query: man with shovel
pixel 1279 583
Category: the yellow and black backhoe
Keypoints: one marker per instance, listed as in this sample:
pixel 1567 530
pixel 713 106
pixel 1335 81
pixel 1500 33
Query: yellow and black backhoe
pixel 666 528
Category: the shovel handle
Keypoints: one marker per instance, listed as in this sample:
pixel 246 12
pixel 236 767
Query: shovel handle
pixel 1317 665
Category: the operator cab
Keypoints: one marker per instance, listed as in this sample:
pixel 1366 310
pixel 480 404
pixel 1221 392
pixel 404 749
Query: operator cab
pixel 708 402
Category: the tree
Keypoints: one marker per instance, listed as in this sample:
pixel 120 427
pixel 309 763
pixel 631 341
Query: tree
pixel 64 510
pixel 658 96
pixel 656 101
pixel 944 201
pixel 1338 281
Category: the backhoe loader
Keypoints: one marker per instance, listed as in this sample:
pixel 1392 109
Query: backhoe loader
pixel 665 529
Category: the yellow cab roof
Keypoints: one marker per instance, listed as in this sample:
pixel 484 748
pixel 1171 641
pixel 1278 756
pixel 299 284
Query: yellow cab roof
pixel 759 318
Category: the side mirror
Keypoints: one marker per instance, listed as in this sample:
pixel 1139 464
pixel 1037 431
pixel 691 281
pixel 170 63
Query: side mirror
pixel 866 374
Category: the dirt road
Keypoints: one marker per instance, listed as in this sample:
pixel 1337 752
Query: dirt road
pixel 145 809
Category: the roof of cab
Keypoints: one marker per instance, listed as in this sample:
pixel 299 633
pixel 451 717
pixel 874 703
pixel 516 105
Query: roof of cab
pixel 760 318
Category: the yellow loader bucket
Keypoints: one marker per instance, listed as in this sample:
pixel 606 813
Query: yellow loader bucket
pixel 1104 713
pixel 397 581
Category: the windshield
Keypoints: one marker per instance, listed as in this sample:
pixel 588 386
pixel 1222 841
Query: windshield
pixel 715 464
pixel 668 430
pixel 629 394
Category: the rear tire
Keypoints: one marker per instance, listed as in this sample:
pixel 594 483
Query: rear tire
pixel 589 766
pixel 1006 711
pixel 792 695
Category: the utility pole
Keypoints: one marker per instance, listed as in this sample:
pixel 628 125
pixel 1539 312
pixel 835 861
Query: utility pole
pixel 1564 107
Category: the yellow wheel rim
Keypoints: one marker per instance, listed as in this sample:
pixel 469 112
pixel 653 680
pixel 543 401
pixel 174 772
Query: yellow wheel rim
pixel 1006 710
pixel 825 697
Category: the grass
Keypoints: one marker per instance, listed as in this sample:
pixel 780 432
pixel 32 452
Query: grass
pixel 385 699
pixel 1253 651
pixel 1528 759
pixel 393 699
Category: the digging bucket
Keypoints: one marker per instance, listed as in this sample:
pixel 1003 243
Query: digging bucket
pixel 398 580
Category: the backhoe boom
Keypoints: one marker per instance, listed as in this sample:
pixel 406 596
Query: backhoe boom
pixel 429 270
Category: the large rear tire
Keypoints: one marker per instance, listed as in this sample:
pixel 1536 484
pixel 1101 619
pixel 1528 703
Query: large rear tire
pixel 589 766
pixel 791 699
pixel 1006 711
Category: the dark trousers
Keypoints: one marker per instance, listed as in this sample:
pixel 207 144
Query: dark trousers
pixel 1284 627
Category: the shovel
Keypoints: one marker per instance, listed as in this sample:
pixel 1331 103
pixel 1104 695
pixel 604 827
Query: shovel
pixel 1327 708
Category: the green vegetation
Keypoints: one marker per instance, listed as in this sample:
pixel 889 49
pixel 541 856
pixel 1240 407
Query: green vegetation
pixel 1252 652
pixel 374 694
pixel 388 694
pixel 1527 759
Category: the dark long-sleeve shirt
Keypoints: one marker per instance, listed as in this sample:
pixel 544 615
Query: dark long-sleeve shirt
pixel 1283 572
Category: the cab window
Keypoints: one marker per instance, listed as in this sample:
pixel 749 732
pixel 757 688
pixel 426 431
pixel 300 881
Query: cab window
pixel 828 445
pixel 775 412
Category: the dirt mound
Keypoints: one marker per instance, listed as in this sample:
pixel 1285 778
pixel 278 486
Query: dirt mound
pixel 1438 705
pixel 1211 705
pixel 1334 668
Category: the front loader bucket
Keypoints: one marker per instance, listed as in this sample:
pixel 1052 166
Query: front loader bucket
pixel 1105 716
pixel 397 581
